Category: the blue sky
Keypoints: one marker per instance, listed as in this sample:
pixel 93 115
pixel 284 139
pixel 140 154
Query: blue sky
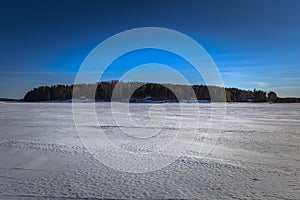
pixel 255 44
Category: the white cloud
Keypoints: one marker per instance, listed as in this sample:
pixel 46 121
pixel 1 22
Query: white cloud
pixel 261 84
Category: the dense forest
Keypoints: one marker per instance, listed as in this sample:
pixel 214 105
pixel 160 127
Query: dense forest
pixel 103 91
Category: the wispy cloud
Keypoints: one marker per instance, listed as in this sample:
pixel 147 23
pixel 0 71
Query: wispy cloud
pixel 231 73
pixel 26 72
pixel 260 84
pixel 286 87
pixel 49 72
pixel 291 78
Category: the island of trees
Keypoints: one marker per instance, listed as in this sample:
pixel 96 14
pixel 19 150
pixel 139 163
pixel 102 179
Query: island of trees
pixel 102 91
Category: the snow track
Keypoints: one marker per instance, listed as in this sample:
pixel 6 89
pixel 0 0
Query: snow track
pixel 257 157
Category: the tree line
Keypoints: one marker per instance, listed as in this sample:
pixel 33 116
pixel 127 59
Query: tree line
pixel 106 90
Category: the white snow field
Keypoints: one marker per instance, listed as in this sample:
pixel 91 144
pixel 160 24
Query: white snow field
pixel 257 155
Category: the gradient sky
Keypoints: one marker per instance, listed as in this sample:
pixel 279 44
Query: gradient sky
pixel 255 44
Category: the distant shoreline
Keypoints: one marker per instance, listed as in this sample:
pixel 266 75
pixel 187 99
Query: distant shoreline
pixel 10 100
pixel 99 102
pixel 148 93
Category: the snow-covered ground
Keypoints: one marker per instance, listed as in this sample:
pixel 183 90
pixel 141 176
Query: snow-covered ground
pixel 257 155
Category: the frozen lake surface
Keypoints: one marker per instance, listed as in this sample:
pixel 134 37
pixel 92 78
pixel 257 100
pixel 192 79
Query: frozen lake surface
pixel 256 156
